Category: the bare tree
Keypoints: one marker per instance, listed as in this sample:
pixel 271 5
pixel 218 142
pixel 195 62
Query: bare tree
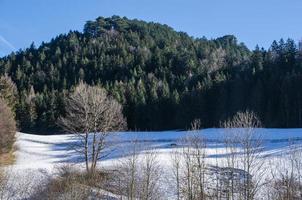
pixel 138 174
pixel 215 60
pixel 8 91
pixel 176 169
pixel 199 155
pixel 286 175
pixel 150 176
pixel 231 144
pixel 248 143
pixel 127 173
pixel 190 169
pixel 91 114
pixel 7 128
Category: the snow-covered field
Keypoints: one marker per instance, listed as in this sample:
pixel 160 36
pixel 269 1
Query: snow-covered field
pixel 44 153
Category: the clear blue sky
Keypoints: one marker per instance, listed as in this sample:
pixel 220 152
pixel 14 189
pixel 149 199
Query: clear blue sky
pixel 251 21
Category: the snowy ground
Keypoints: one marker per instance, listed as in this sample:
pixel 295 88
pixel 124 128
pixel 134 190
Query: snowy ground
pixel 44 153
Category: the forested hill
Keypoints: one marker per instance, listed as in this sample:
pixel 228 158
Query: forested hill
pixel 163 78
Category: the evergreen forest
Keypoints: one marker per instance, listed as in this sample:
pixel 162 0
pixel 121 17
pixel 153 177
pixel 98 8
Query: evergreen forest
pixel 163 78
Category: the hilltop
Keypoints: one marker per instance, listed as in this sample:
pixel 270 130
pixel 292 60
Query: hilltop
pixel 163 78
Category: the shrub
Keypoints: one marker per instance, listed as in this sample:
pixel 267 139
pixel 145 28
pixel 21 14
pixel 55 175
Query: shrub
pixel 71 184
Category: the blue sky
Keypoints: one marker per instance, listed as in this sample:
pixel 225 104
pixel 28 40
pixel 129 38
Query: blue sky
pixel 251 21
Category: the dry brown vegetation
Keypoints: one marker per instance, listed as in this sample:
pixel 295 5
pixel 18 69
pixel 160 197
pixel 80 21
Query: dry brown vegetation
pixel 7 128
pixel 72 184
pixel 7 159
pixel 8 91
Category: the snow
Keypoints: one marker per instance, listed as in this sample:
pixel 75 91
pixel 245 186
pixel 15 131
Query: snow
pixel 44 153
pixel 36 152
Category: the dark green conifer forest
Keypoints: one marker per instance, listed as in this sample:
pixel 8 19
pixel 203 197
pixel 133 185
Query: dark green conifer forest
pixel 164 79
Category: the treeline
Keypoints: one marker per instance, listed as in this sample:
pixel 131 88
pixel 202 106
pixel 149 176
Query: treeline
pixel 164 79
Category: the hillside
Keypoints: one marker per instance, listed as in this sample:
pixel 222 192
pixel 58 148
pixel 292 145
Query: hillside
pixel 163 78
